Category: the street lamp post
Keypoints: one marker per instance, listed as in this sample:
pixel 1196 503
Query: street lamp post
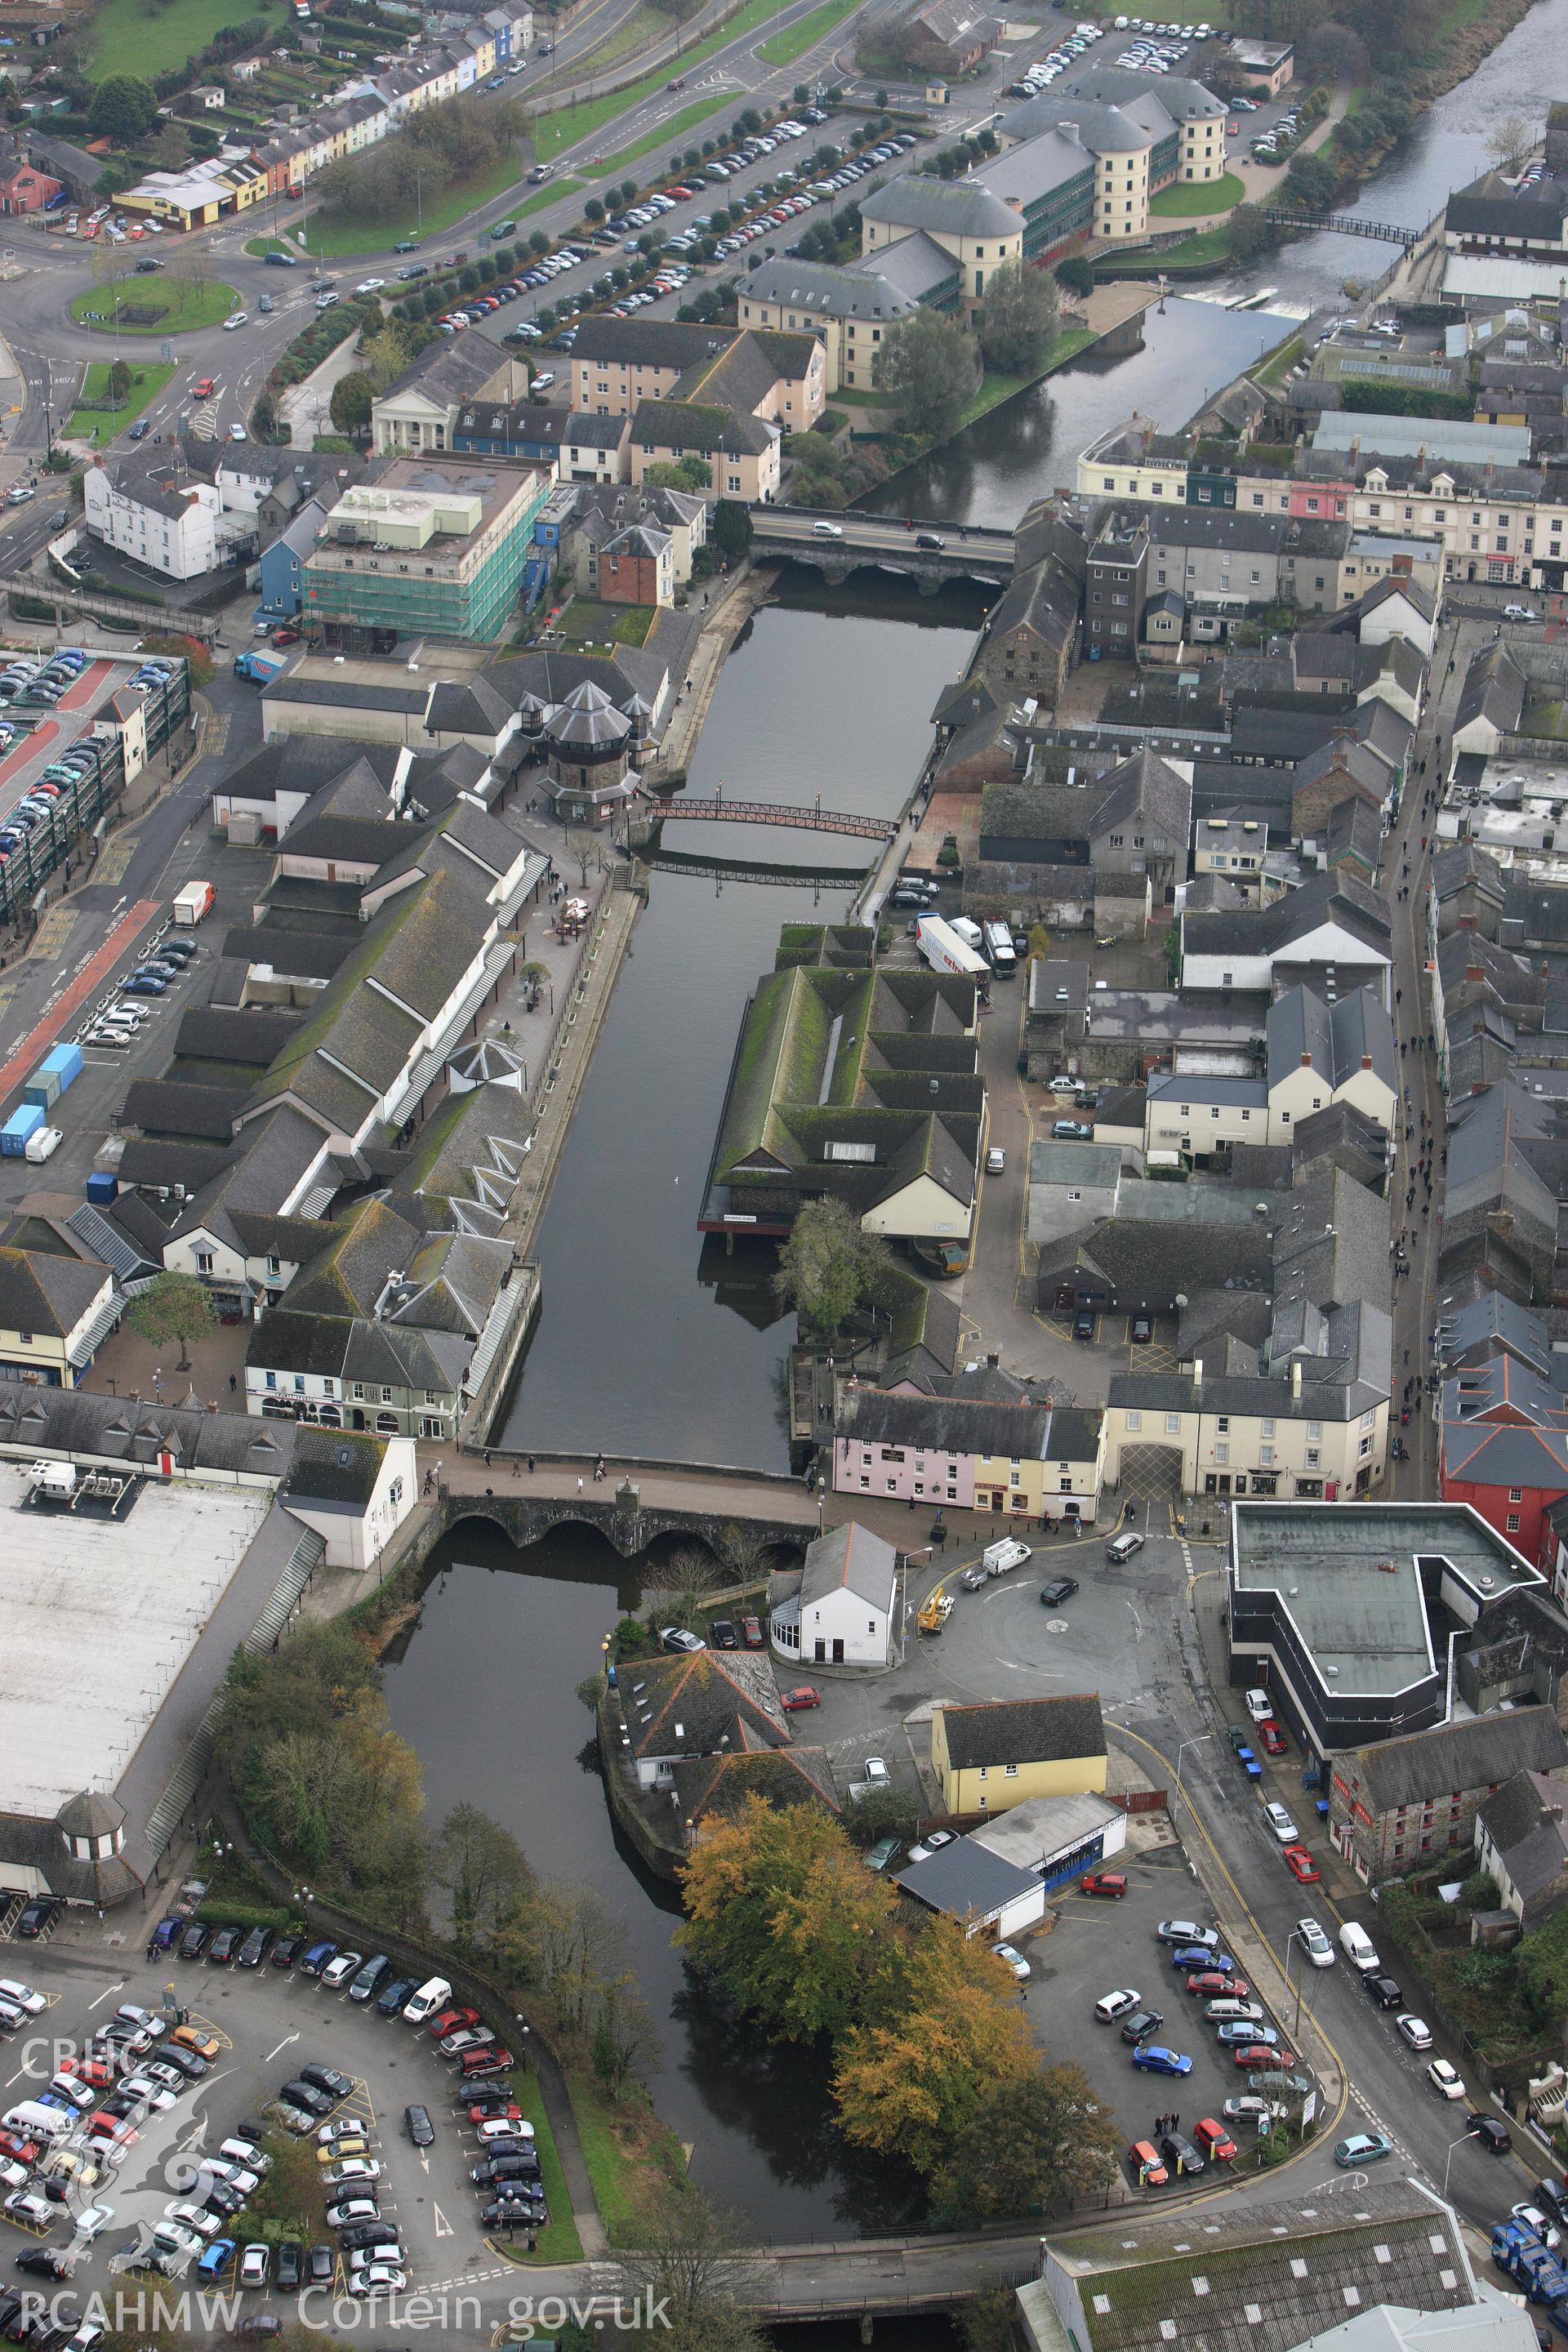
pixel 1449 2158
pixel 1202 1739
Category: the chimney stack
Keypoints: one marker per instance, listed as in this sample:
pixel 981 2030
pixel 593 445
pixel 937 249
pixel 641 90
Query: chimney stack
pixel 1296 1376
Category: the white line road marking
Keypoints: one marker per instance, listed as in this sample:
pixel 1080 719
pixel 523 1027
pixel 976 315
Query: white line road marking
pixel 443 2227
pixel 107 1996
pixel 282 2045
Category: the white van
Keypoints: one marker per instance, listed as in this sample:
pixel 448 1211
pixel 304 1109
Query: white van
pixel 33 2120
pixel 1359 1948
pixel 432 1995
pixel 998 1558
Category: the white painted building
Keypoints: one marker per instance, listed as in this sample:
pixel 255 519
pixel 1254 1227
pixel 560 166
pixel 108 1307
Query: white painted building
pixel 842 1611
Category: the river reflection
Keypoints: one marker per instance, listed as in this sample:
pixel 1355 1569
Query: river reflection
pixel 489 1674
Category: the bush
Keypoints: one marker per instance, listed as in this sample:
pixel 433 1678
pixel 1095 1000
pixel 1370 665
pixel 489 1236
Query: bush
pixel 221 1912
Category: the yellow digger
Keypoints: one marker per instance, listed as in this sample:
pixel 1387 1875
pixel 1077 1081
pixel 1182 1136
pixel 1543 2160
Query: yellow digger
pixel 935 1610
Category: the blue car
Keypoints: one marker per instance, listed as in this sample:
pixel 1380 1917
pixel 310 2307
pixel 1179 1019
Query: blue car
pixel 1153 2058
pixel 1249 2037
pixel 216 2259
pixel 143 984
pixel 165 1935
pixel 316 1958
pixel 1196 1956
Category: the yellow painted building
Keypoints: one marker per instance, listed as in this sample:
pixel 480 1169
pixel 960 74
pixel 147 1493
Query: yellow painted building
pixel 53 1313
pixel 994 1755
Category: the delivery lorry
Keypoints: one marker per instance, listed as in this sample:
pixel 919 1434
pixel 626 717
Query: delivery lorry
pixel 193 902
pixel 260 666
pixel 944 950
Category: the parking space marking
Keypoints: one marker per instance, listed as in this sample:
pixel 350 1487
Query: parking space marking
pixel 209 2025
pixel 107 1995
pixel 288 2038
pixel 443 2227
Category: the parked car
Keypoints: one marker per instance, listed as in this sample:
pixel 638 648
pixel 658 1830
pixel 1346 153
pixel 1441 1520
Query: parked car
pixel 1110 1883
pixel 1141 2025
pixel 1154 2058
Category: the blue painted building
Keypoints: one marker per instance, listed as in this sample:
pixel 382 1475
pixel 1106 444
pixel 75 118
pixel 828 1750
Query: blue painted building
pixel 282 563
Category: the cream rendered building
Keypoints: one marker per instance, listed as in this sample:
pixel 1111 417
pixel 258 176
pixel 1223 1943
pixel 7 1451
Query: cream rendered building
pixel 962 216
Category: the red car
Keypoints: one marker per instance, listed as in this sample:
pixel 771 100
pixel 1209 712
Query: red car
pixel 450 2021
pixel 494 2108
pixel 285 636
pixel 1300 1864
pixel 1215 2140
pixel 1259 2059
pixel 205 390
pixel 489 2061
pixel 752 1632
pixel 1272 1737
pixel 103 2125
pixel 99 2072
pixel 20 2151
pixel 1111 1884
pixel 802 1695
pixel 1214 1986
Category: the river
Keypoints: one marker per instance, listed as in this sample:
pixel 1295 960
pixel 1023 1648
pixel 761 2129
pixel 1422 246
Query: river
pixel 654 1343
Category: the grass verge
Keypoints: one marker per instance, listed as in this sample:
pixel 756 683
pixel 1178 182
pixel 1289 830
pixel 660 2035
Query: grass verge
pixel 567 124
pixel 784 48
pixel 91 421
pixel 676 128
pixel 334 238
pixel 543 196
pixel 1189 199
pixel 585 620
pixel 643 26
pixel 126 38
pixel 623 2149
pixel 998 387
pixel 558 2241
pixel 262 246
pixel 183 303
pixel 1280 363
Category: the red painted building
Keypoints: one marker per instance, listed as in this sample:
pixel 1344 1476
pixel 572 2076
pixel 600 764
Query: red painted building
pixel 1504 1450
pixel 23 187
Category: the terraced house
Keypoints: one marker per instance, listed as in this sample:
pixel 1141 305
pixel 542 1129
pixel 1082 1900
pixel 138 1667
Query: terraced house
pixel 982 1441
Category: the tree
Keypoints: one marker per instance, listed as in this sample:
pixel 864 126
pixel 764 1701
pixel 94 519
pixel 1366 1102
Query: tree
pixel 679 474
pixel 1510 139
pixel 123 108
pixel 731 528
pixel 625 2041
pixel 172 148
pixel 783 1913
pixel 1074 275
pixel 385 354
pixel 173 1307
pixel 485 1873
pixel 829 1266
pixel 693 2264
pixel 1019 325
pixel 928 371
pixel 584 846
pixel 910 2086
pixel 679 1583
pixel 1251 233
pixel 1033 2139
pixel 349 405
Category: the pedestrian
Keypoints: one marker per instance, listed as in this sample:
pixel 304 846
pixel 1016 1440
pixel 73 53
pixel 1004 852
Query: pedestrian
pixel 233 1384
pixel 487 1457
pixel 1176 2122
pixel 531 1466
pixel 579 1486
pixel 1399 996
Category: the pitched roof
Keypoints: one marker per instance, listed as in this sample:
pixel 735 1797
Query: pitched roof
pixel 959 207
pixel 850 1558
pixel 1024 1730
pixel 697 1703
pixel 41 1291
pixel 1473 1754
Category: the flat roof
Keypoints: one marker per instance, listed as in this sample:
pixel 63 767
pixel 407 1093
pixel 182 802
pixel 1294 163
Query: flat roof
pixel 1349 1577
pixel 97 1618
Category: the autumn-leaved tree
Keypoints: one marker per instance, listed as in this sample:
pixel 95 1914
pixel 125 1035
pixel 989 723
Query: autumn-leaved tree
pixel 783 1913
pixel 486 1875
pixel 910 2086
pixel 1033 2139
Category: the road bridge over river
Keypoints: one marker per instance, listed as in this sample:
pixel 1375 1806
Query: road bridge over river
pixel 839 543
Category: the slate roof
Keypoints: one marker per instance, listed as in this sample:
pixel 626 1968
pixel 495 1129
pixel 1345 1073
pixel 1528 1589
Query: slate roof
pixel 332 1466
pixel 264 1169
pixel 858 293
pixel 1459 864
pixel 1024 1730
pixel 720 1785
pixel 451 370
pixel 166 1108
pixel 966 1880
pixel 1473 1754
pixel 41 1291
pixel 698 430
pixel 1524 1821
pixel 850 1558
pixel 945 1424
pixel 1337 1039
pixel 1494 690
pixel 691 1705
pixel 1269 930
pixel 957 207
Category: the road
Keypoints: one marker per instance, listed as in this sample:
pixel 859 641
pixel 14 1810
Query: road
pixel 871 531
